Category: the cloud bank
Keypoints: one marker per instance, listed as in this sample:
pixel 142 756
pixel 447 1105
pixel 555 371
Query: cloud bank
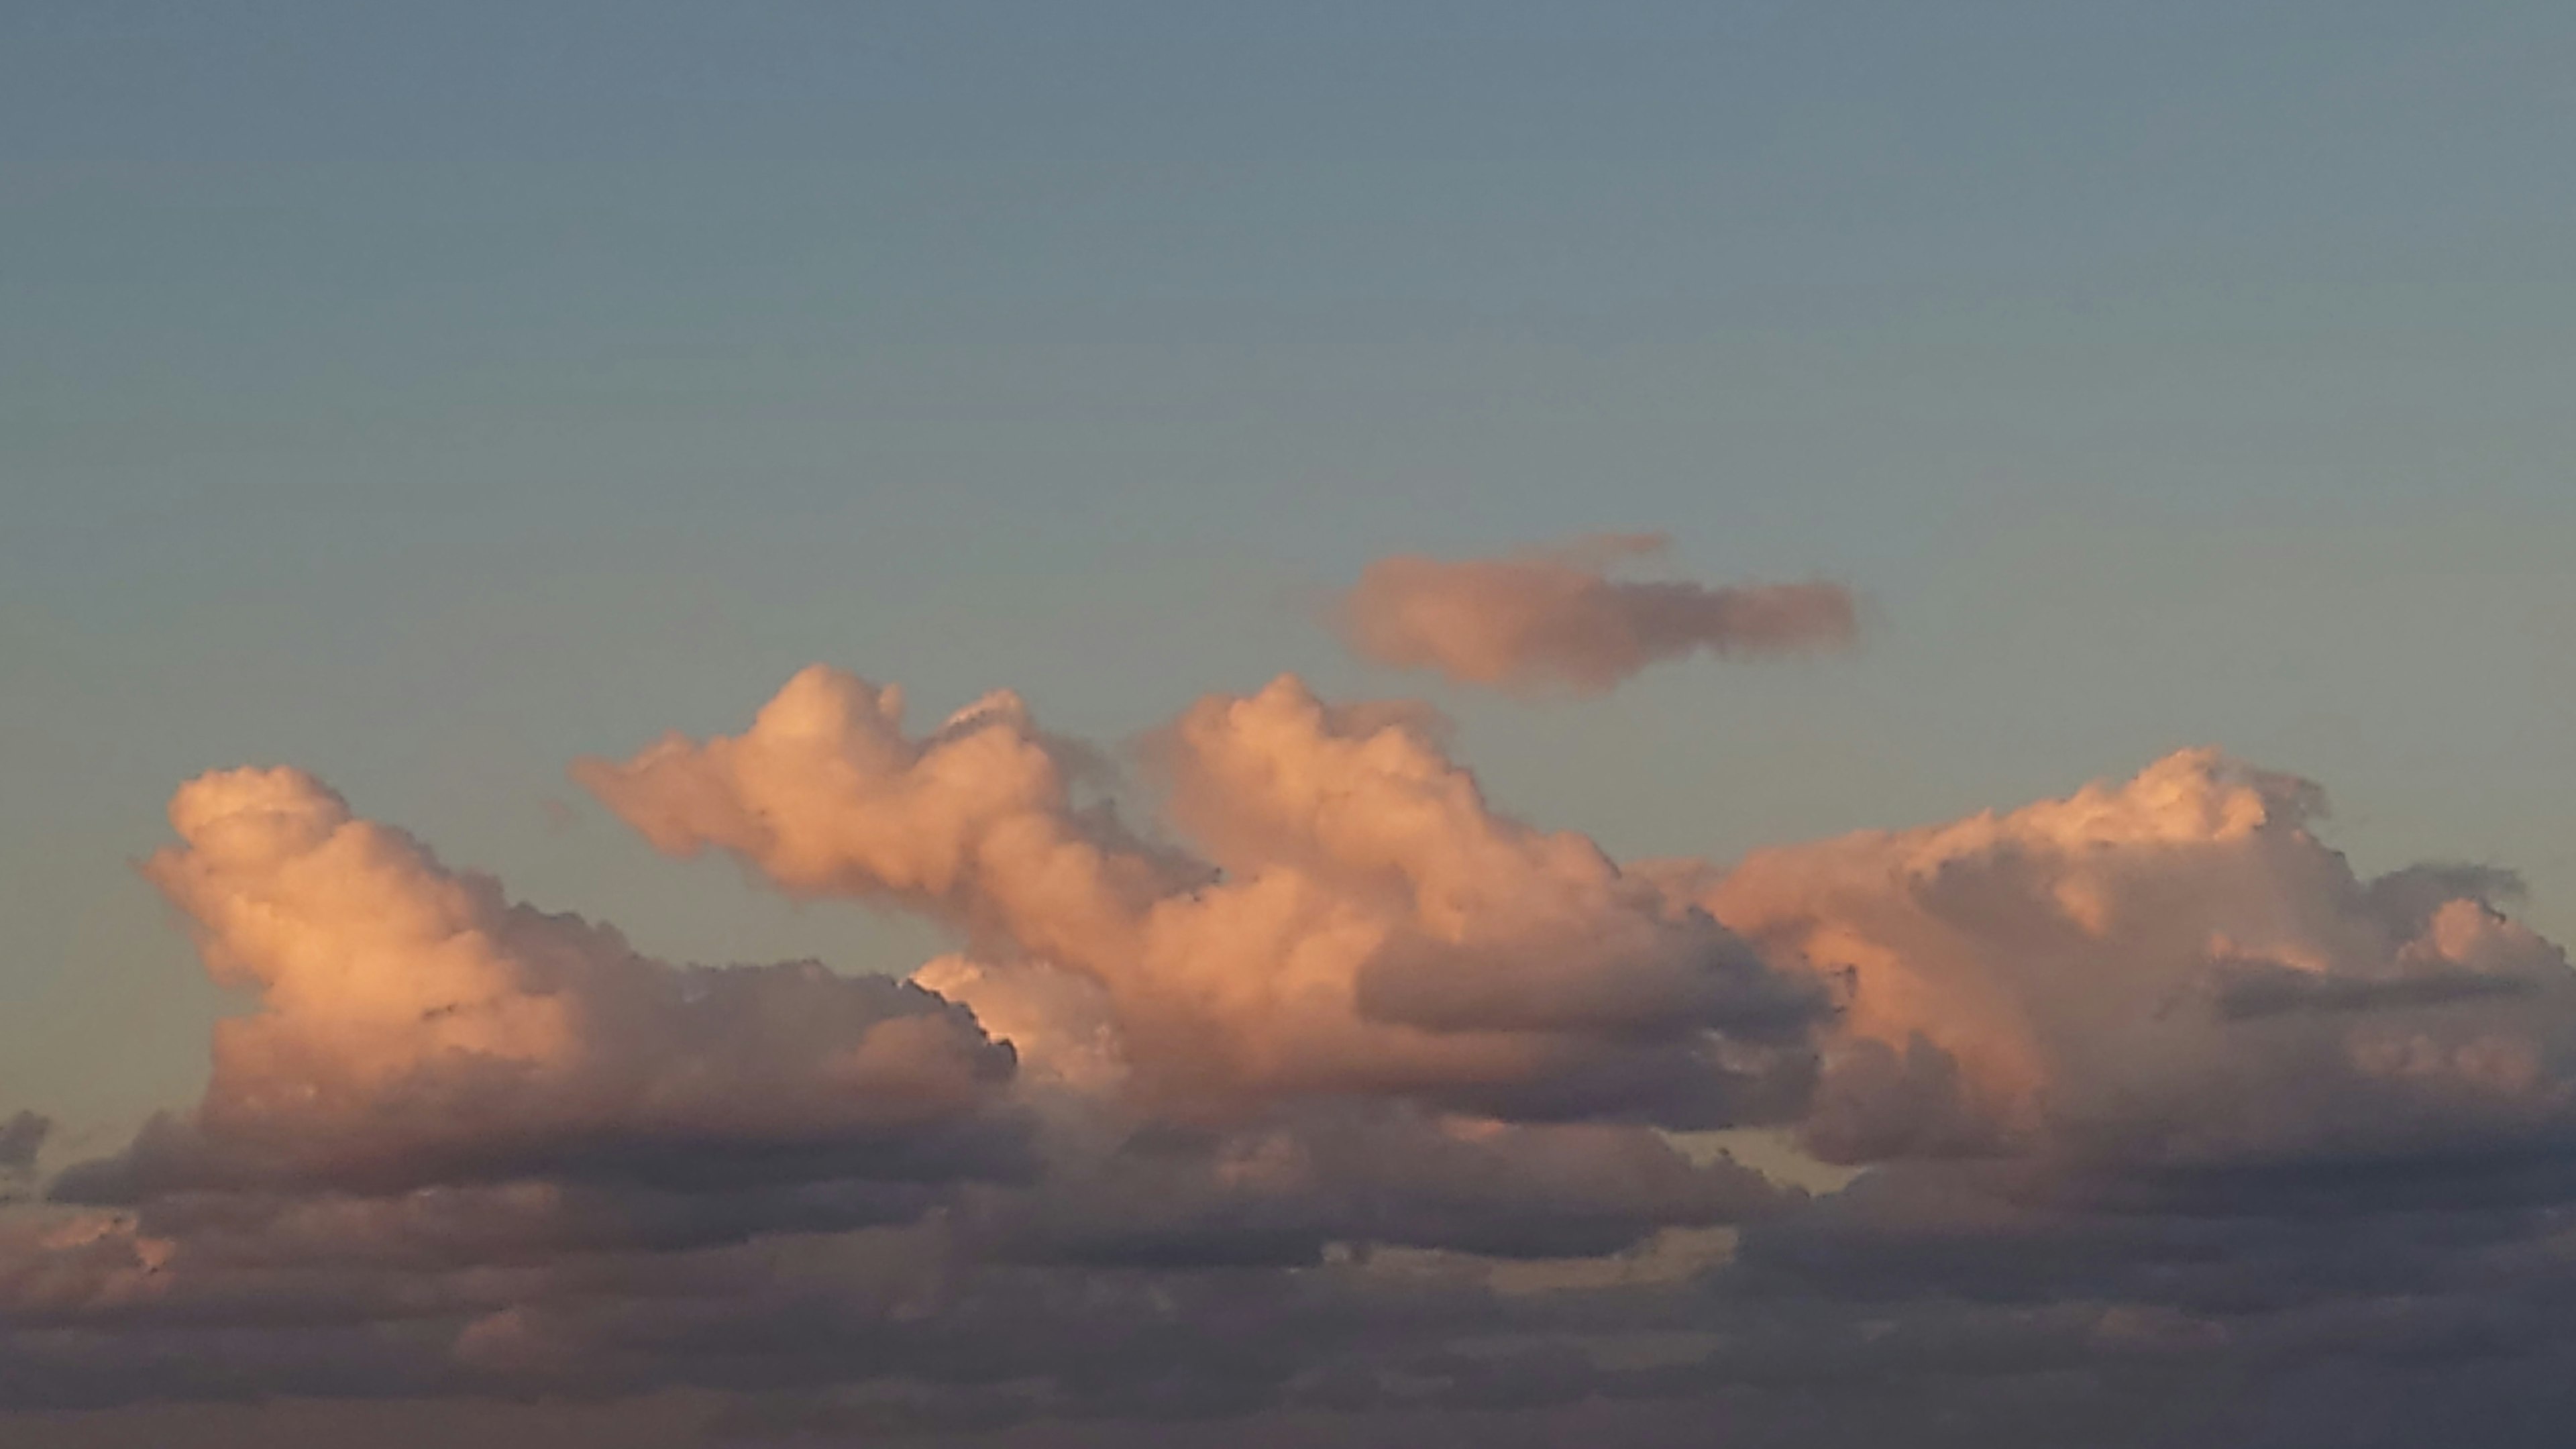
pixel 1321 1101
pixel 1555 619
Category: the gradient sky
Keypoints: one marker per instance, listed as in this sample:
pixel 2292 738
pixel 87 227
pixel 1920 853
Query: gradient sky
pixel 429 395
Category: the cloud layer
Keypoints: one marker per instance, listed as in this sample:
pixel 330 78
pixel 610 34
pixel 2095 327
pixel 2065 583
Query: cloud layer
pixel 1554 618
pixel 1320 1100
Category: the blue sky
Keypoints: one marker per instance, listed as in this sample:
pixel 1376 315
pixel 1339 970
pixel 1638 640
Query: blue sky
pixel 429 396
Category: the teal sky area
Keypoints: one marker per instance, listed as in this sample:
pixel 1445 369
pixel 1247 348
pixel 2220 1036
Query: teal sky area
pixel 429 395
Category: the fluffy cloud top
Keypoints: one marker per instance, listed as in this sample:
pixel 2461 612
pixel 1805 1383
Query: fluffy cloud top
pixel 417 1027
pixel 2174 968
pixel 1555 619
pixel 1360 921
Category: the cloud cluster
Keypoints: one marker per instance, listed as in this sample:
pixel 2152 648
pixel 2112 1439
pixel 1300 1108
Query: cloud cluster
pixel 1555 618
pixel 465 1146
pixel 1322 1100
pixel 1355 919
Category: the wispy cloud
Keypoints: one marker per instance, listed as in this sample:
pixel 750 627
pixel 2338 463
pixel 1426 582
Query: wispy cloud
pixel 1556 618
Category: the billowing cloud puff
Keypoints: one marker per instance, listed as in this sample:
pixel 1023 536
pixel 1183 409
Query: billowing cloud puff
pixel 1360 921
pixel 2173 968
pixel 416 1027
pixel 1555 618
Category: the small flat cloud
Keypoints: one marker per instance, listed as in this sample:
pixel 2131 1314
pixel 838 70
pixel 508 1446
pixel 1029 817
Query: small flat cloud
pixel 1557 619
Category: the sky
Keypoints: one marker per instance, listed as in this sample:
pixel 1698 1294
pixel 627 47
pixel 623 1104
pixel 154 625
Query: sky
pixel 2147 408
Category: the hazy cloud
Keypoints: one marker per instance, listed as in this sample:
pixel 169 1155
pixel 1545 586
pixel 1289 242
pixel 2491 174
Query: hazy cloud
pixel 22 1136
pixel 1555 618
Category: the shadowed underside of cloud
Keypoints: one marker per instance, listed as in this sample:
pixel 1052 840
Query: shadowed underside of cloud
pixel 1332 1102
pixel 1554 618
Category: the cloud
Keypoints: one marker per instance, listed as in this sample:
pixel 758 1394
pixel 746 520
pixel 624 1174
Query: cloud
pixel 418 1028
pixel 2169 969
pixel 467 1147
pixel 1353 919
pixel 1282 1189
pixel 1327 1103
pixel 21 1137
pixel 1554 618
pixel 2158 1017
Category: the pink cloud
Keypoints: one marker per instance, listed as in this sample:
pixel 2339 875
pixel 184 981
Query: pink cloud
pixel 1554 618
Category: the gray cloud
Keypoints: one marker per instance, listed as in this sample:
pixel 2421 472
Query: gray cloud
pixel 22 1136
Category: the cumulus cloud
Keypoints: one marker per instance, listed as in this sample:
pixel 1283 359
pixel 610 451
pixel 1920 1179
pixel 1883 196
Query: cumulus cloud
pixel 1555 618
pixel 2171 968
pixel 1355 917
pixel 416 1027
pixel 465 1146
pixel 1326 1097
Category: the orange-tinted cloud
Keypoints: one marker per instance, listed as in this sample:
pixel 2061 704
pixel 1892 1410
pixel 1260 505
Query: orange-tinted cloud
pixel 1359 919
pixel 416 1026
pixel 2175 966
pixel 1555 618
pixel 1245 1109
